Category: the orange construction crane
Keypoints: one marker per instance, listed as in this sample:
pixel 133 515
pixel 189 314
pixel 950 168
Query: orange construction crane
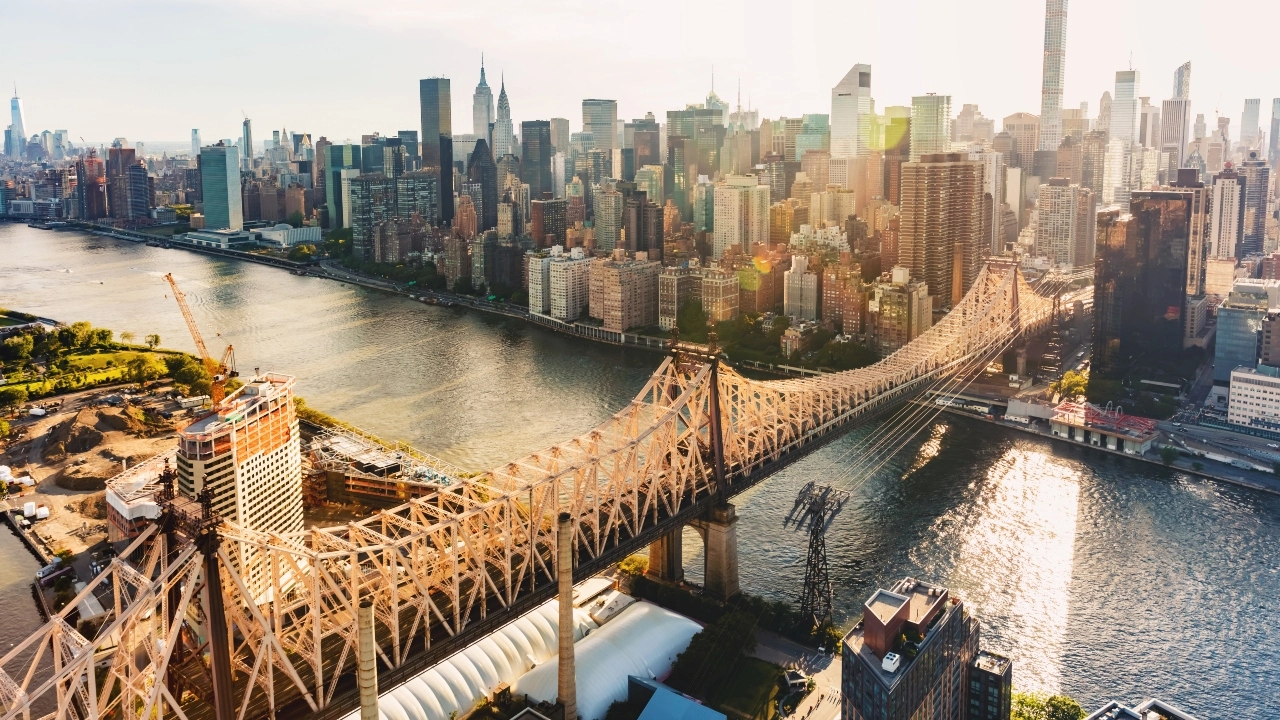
pixel 220 370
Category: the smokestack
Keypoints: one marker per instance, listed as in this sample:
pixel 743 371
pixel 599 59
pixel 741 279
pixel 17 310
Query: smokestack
pixel 568 685
pixel 367 662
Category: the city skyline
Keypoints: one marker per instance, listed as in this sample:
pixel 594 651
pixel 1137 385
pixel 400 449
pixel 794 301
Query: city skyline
pixel 1100 42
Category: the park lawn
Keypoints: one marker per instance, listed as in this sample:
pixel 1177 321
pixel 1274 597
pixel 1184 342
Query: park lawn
pixel 6 321
pixel 750 693
pixel 98 360
pixel 44 388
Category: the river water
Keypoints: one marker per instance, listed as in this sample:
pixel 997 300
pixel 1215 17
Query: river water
pixel 1101 577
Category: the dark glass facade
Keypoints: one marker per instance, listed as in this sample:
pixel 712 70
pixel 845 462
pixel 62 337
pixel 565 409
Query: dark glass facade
pixel 482 172
pixel 1140 280
pixel 437 138
pixel 990 688
pixel 535 157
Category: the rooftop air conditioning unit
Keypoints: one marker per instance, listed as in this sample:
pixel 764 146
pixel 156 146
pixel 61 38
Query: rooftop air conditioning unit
pixel 891 662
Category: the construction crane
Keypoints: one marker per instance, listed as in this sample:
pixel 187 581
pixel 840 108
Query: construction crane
pixel 220 370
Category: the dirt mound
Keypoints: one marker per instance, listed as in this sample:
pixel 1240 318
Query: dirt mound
pixel 76 435
pixel 117 419
pixel 93 507
pixel 84 477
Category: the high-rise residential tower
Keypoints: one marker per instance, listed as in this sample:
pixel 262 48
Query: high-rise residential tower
pixel 437 138
pixel 942 240
pixel 220 183
pixel 246 140
pixel 1257 182
pixel 482 108
pixel 851 109
pixel 930 125
pixel 1055 65
pixel 741 208
pixel 600 118
pixel 195 143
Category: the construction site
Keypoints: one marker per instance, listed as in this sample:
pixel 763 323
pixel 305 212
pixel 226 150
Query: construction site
pixel 350 466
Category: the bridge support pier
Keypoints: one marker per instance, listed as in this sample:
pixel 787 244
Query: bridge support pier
pixel 720 540
pixel 666 557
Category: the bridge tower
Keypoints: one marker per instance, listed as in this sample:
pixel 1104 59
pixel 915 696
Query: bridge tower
pixel 718 527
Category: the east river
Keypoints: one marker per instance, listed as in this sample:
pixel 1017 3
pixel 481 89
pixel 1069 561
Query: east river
pixel 1101 577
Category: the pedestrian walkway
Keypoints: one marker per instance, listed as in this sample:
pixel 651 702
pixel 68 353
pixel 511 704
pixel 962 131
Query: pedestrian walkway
pixel 824 702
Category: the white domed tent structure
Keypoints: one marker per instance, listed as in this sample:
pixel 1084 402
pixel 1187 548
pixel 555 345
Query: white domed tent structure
pixel 465 678
pixel 642 640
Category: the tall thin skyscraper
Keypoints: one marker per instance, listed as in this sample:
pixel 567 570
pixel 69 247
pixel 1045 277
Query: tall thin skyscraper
pixel 195 143
pixel 1175 121
pixel 437 138
pixel 1124 107
pixel 600 118
pixel 482 108
pixel 1055 67
pixel 1249 122
pixel 851 108
pixel 504 133
pixel 17 130
pixel 247 146
pixel 1273 145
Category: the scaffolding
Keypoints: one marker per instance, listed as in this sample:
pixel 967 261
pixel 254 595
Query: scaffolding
pixel 357 466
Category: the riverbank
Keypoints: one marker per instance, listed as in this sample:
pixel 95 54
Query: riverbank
pixel 329 270
pixel 1263 484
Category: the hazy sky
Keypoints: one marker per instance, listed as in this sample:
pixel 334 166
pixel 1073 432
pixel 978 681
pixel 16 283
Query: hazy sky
pixel 150 70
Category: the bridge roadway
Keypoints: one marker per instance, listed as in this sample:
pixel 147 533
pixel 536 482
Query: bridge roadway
pixel 347 698
pixel 445 570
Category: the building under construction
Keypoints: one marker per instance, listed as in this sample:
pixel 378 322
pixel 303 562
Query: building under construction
pixel 351 466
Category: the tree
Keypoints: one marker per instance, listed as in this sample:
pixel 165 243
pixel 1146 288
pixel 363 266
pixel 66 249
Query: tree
pixel 1168 454
pixel 4 429
pixel 81 334
pixel 1071 385
pixel 127 337
pixel 143 368
pixel 462 286
pixel 189 374
pixel 100 337
pixel 1038 706
pixel 712 655
pixel 295 219
pixel 692 321
pixel 12 397
pixel 152 341
pixel 17 348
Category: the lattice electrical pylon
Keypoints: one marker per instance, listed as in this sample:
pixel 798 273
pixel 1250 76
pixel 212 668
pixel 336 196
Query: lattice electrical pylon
pixel 817 504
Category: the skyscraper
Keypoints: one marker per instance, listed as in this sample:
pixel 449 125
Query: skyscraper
pixel 1249 129
pixel 851 109
pixel 536 151
pixel 483 172
pixel 941 239
pixel 1257 181
pixel 560 135
pixel 1124 107
pixel 504 132
pixel 195 143
pixel 220 181
pixel 1175 121
pixel 437 138
pixel 18 125
pixel 1055 62
pixel 1024 128
pixel 246 139
pixel 1226 219
pixel 1273 144
pixel 600 118
pixel 930 126
pixel 482 108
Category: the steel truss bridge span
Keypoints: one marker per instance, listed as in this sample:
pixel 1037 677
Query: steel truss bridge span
pixel 279 610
